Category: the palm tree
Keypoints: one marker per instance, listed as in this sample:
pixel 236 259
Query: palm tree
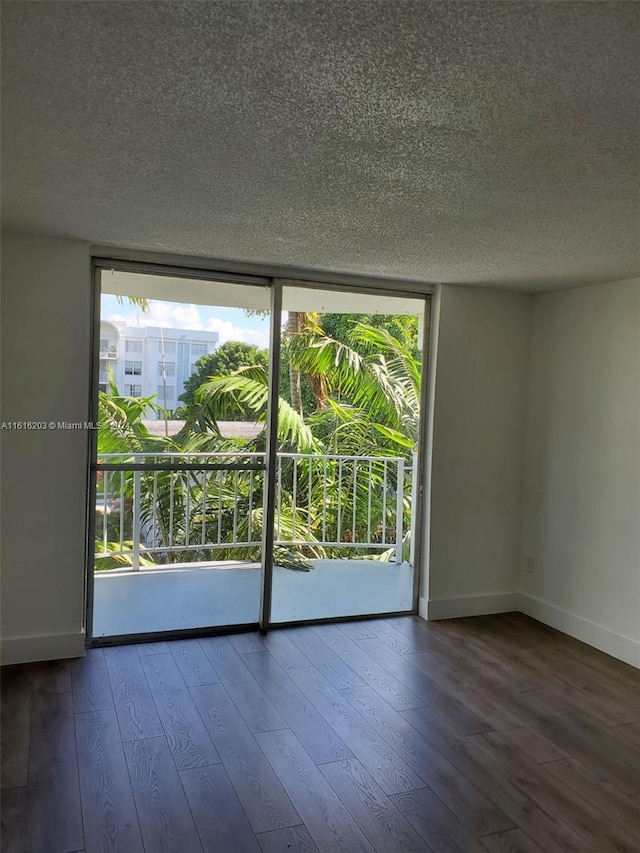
pixel 295 327
pixel 299 326
pixel 370 407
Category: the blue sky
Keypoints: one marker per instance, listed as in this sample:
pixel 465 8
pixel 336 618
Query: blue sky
pixel 232 324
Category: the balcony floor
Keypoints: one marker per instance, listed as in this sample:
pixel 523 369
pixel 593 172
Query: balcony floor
pixel 208 594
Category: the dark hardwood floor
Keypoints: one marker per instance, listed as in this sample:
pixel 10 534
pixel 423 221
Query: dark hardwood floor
pixel 395 735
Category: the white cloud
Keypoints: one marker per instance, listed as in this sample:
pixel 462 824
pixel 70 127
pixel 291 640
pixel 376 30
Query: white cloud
pixel 168 315
pixel 230 332
pixel 172 316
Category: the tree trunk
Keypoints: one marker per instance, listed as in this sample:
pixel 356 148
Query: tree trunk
pixel 298 323
pixel 295 325
pixel 319 389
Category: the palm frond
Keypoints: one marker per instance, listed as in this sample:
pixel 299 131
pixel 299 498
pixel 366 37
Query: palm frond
pixel 249 387
pixel 139 301
pixel 118 558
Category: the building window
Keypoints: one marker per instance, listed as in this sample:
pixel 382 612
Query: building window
pixel 104 376
pixel 133 368
pixel 169 366
pixel 198 350
pixel 164 401
pixel 169 347
pixel 104 344
pixel 133 390
pixel 133 346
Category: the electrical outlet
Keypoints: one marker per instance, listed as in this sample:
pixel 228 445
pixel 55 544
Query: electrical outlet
pixel 530 565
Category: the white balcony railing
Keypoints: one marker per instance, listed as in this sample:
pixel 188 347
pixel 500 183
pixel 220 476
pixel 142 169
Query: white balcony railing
pixel 182 507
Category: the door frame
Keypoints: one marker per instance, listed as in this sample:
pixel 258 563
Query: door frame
pixel 385 288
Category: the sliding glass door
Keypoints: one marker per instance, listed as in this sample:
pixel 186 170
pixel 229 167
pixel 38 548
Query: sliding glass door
pixel 178 471
pixel 257 457
pixel 348 463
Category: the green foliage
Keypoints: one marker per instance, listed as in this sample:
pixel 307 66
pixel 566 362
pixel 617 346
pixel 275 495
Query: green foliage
pixel 119 559
pixel 373 385
pixel 402 327
pixel 228 358
pixel 122 429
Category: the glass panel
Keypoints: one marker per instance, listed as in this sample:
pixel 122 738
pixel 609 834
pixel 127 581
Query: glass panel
pixel 179 485
pixel 348 459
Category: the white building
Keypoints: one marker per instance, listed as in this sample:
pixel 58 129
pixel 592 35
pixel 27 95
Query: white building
pixel 148 360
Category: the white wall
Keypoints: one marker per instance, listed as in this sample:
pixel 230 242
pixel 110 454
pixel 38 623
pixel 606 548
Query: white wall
pixel 478 448
pixel 582 471
pixel 46 321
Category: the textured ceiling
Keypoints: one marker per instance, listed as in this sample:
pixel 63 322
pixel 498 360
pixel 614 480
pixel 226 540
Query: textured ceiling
pixel 479 142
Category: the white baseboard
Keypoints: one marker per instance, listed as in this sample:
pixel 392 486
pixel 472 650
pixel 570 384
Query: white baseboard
pixel 617 645
pixel 423 608
pixel 470 605
pixel 60 646
pixel 608 641
pixel 55 647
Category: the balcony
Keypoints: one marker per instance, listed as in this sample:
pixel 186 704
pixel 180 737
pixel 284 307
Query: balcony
pixel 179 539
